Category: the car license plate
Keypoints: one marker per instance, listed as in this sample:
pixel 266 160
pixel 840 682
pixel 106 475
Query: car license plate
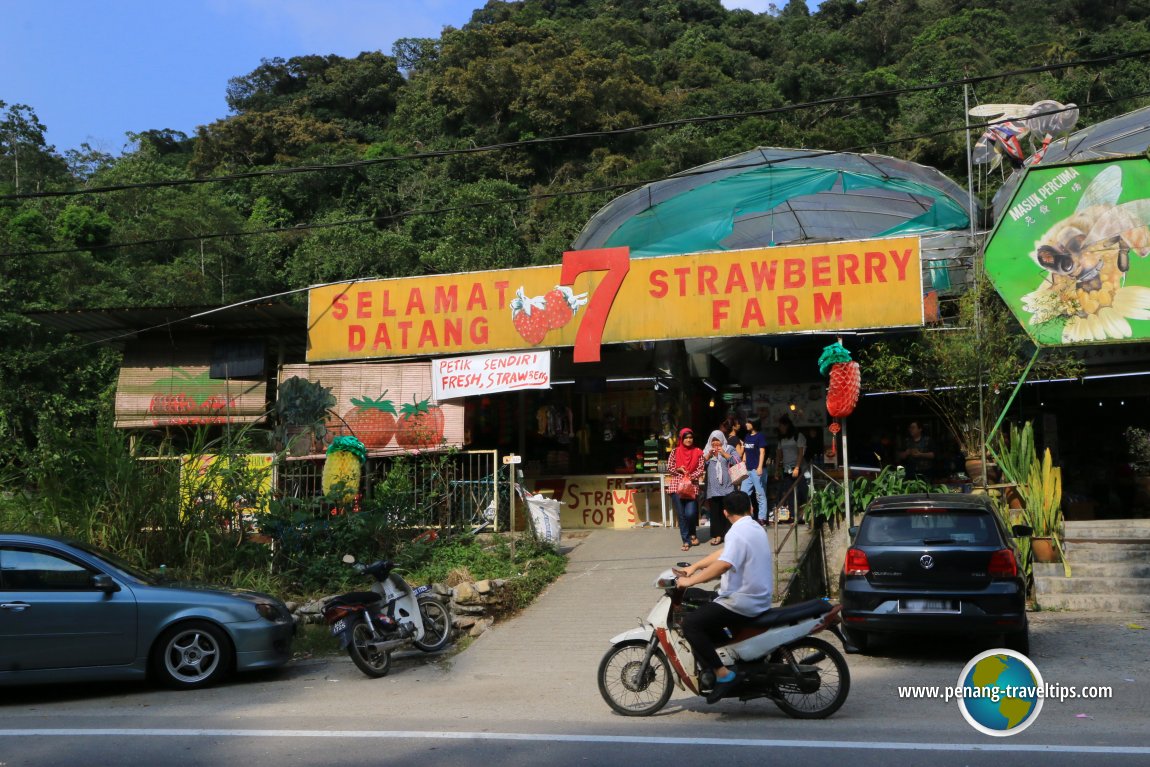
pixel 928 606
pixel 338 627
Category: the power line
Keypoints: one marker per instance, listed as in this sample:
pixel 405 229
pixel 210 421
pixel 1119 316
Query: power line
pixel 539 196
pixel 577 136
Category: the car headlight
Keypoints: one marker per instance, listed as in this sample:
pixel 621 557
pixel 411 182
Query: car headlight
pixel 270 611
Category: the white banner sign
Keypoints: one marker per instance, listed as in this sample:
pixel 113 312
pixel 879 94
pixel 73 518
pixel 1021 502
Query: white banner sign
pixel 490 373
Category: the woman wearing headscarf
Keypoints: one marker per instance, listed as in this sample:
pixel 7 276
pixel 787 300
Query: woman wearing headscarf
pixel 719 457
pixel 686 462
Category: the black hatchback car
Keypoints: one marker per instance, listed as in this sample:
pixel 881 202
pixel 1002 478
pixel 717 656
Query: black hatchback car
pixel 939 562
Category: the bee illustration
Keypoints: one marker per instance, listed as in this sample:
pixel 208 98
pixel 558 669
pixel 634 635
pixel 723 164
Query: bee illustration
pixel 1077 246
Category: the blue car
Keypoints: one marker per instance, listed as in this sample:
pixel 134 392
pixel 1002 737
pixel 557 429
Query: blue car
pixel 71 613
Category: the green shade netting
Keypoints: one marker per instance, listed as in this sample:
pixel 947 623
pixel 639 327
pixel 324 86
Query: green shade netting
pixel 702 218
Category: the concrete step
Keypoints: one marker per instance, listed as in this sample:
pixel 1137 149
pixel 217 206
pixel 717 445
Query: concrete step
pixel 1092 586
pixel 1131 603
pixel 1118 530
pixel 1084 568
pixel 1078 551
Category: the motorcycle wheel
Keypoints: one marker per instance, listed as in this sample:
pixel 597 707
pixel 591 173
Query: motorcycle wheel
pixel 374 663
pixel 623 690
pixel 436 625
pixel 834 679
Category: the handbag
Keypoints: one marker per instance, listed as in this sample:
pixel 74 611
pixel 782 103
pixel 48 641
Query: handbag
pixel 738 471
pixel 683 486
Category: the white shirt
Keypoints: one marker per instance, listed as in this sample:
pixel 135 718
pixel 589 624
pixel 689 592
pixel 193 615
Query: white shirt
pixel 747 587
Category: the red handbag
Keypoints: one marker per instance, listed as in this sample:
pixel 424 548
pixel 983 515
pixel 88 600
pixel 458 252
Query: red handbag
pixel 687 489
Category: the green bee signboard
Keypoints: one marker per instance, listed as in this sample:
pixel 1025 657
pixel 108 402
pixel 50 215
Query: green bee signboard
pixel 1069 253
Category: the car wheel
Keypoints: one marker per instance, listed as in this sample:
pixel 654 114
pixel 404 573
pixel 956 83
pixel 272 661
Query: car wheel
pixel 191 655
pixel 859 639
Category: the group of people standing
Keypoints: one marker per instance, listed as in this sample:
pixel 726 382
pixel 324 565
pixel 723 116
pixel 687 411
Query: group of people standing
pixel 710 464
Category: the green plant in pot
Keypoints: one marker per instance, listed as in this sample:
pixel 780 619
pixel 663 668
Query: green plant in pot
pixel 302 407
pixel 1042 494
pixel 1014 452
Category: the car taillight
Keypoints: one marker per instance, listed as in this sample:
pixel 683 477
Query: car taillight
pixel 1002 564
pixel 857 563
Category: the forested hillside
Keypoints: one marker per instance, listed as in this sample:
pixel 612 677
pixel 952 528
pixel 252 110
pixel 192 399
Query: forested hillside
pixel 435 156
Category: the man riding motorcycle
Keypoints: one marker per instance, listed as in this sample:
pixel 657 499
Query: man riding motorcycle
pixel 745 591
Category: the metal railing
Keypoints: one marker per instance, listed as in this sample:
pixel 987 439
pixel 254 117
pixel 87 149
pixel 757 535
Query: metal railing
pixel 443 490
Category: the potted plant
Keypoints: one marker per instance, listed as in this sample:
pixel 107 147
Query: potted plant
pixel 965 371
pixel 1042 494
pixel 1014 453
pixel 302 407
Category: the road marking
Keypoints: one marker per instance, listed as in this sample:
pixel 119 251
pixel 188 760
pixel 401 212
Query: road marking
pixel 559 738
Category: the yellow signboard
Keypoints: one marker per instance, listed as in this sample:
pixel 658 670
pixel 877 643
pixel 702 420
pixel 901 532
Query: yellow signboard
pixel 212 480
pixel 603 296
pixel 593 502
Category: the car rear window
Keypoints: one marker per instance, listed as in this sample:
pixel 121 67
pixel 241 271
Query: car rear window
pixel 919 526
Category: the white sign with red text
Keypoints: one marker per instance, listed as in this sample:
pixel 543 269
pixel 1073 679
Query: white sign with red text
pixel 490 373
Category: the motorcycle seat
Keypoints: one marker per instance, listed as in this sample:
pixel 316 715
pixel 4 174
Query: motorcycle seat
pixel 352 599
pixel 782 616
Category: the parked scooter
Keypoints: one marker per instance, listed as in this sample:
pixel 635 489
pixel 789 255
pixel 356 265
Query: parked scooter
pixel 776 657
pixel 372 624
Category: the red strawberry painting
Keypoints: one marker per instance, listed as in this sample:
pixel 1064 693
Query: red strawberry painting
pixel 420 425
pixel 560 304
pixel 372 420
pixel 527 314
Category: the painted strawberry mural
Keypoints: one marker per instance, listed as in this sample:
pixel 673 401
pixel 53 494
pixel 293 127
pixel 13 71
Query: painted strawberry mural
pixel 420 425
pixel 560 304
pixel 527 316
pixel 372 420
pixel 533 317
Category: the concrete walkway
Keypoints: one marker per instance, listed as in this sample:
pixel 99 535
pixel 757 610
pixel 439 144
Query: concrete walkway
pixel 556 644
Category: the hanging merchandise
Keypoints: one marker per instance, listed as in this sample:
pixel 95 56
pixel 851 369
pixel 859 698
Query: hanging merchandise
pixel 342 469
pixel 843 392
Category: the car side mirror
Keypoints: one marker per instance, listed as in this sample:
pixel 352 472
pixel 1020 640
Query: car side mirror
pixel 853 530
pixel 104 582
pixel 1022 531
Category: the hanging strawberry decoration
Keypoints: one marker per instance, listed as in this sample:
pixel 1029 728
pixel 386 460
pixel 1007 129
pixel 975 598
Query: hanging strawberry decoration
pixel 843 392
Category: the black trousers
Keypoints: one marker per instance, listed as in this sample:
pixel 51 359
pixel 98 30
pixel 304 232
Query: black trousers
pixel 719 522
pixel 703 628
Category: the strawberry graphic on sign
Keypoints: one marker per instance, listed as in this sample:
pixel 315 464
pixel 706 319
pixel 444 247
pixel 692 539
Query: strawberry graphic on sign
pixel 560 305
pixel 420 425
pixel 534 317
pixel 372 420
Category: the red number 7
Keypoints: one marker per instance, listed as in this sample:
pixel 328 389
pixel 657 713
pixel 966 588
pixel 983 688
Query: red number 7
pixel 616 262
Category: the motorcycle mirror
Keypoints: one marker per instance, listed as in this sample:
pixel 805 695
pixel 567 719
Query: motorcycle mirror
pixel 348 559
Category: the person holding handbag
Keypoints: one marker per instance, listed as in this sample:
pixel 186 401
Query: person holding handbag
pixel 719 457
pixel 684 469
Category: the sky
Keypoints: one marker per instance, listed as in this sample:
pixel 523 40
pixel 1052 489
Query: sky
pixel 95 70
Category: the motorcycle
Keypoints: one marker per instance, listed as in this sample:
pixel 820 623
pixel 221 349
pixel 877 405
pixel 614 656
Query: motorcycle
pixel 776 657
pixel 373 624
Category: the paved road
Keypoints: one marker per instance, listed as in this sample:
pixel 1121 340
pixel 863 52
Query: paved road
pixel 525 693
